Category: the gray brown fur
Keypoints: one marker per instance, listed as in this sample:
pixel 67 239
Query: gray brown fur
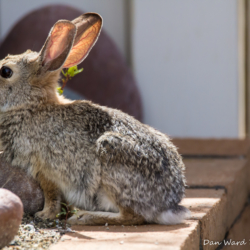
pixel 105 162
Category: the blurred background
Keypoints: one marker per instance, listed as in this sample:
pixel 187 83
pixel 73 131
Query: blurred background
pixel 187 59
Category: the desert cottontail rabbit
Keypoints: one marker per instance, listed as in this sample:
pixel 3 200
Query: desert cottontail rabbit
pixel 114 168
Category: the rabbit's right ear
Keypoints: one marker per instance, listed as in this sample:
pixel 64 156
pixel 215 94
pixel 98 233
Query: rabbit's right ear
pixel 88 30
pixel 58 45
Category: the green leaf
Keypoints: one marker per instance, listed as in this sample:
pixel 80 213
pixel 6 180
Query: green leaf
pixel 68 74
pixel 59 90
pixel 74 211
pixel 71 71
pixel 64 204
pixel 65 74
pixel 63 210
pixel 78 71
pixel 60 214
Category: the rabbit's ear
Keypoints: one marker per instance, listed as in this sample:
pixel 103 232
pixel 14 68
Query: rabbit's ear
pixel 88 29
pixel 58 45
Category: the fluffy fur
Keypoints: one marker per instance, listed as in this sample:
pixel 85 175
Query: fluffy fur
pixel 103 161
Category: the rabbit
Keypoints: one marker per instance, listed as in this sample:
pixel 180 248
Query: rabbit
pixel 112 167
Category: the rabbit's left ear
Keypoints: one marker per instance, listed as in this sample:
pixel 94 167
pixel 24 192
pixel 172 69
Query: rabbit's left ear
pixel 88 29
pixel 58 45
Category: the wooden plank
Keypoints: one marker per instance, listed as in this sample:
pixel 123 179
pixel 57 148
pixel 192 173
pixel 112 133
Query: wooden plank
pixel 212 172
pixel 212 147
pixel 240 232
pixel 175 237
pixel 242 119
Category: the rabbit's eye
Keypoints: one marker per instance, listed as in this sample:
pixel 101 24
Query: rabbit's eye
pixel 6 72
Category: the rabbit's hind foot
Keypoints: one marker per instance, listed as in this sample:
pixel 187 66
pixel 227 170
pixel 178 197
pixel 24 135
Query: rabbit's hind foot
pixel 101 218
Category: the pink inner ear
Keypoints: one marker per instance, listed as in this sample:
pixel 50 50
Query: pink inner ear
pixel 58 41
pixel 81 49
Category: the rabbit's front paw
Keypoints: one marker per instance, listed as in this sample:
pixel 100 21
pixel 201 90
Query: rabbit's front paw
pixel 46 213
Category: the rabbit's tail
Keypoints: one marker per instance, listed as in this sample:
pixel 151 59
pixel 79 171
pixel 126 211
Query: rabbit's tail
pixel 172 216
